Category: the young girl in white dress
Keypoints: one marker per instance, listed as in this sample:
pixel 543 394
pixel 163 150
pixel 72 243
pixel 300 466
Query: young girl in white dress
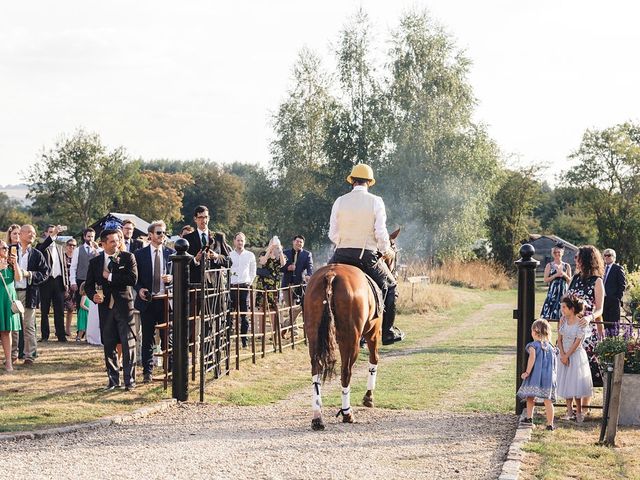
pixel 574 374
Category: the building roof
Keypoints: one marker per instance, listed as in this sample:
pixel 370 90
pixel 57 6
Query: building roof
pixel 534 236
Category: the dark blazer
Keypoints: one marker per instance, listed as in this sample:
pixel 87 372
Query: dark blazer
pixel 46 251
pixel 304 262
pixel 136 244
pixel 616 282
pixel 218 244
pixel 37 265
pixel 123 275
pixel 145 272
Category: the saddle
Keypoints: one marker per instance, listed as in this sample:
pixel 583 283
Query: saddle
pixel 377 294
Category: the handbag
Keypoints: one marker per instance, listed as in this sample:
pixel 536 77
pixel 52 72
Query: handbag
pixel 16 305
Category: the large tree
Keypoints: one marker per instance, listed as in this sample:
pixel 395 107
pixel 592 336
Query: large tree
pixel 299 202
pixel 80 180
pixel 607 174
pixel 11 212
pixel 158 196
pixel 442 171
pixel 509 211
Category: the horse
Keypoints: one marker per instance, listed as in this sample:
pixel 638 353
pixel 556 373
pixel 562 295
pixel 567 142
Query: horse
pixel 339 309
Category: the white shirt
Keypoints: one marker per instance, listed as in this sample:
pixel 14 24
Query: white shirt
pixel 55 259
pixel 23 261
pixel 153 265
pixel 379 227
pixel 206 235
pixel 243 267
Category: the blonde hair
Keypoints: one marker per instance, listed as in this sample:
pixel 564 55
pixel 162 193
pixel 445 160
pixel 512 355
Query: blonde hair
pixel 542 328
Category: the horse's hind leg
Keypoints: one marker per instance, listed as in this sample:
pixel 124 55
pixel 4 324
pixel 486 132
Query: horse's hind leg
pixel 348 358
pixel 316 395
pixel 372 343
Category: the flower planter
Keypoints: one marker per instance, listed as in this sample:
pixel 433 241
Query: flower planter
pixel 630 400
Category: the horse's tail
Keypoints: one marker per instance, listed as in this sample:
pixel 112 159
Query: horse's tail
pixel 325 354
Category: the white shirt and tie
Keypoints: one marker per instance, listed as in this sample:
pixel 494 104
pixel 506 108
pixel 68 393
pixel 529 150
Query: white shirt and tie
pixel 158 269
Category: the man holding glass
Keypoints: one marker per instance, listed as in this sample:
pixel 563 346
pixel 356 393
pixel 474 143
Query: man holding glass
pixel 154 275
pixel 109 277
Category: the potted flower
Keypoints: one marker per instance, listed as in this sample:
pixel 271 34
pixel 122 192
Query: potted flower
pixel 606 350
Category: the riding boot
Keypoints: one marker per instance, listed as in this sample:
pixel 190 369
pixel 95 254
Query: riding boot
pixel 390 333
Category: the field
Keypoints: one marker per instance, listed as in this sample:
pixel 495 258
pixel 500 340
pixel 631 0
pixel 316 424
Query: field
pixel 459 356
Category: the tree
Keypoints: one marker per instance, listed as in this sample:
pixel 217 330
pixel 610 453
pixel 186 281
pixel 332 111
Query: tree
pixel 608 177
pixel 508 213
pixel 221 191
pixel 158 196
pixel 299 159
pixel 79 180
pixel 443 168
pixel 11 212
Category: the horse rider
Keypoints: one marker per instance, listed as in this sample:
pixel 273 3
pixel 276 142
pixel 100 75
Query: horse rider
pixel 358 229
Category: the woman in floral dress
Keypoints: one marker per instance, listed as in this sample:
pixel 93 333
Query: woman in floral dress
pixel 557 274
pixel 269 264
pixel 587 284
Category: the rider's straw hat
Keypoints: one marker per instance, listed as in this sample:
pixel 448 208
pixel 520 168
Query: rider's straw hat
pixel 361 170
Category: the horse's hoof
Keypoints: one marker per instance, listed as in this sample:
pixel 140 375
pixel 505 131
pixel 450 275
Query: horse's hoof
pixel 367 401
pixel 347 418
pixel 317 424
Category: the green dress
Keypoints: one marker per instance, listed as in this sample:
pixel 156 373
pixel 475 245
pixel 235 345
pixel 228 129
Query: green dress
pixel 9 321
pixel 271 282
pixel 83 315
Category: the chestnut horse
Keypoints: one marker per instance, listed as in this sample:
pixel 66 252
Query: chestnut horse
pixel 339 309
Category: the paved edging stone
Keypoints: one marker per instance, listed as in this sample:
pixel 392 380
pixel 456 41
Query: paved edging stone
pixel 513 461
pixel 102 422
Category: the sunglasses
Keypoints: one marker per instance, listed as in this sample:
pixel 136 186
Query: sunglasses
pixel 607 255
pixel 160 232
pixel 72 244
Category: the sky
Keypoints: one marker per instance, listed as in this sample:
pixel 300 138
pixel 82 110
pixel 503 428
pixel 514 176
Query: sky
pixel 201 79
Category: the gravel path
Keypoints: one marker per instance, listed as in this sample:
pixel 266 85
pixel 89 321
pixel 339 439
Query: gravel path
pixel 194 441
pixel 205 441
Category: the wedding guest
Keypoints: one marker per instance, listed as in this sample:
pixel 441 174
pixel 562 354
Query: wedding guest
pixel 129 243
pixel 557 274
pixel 9 320
pixel 53 288
pixel 243 271
pixel 615 283
pixel 69 300
pixel 34 272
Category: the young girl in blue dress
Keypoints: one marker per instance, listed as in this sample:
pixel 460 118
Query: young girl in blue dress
pixel 539 378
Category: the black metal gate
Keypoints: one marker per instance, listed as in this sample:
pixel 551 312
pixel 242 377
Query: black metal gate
pixel 213 330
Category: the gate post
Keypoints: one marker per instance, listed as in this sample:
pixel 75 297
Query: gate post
pixel 180 377
pixel 526 310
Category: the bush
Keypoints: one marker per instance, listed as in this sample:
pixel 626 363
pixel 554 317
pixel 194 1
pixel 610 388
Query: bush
pixel 473 274
pixel 608 348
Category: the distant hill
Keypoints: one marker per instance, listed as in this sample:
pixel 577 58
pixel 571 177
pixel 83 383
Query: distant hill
pixel 16 192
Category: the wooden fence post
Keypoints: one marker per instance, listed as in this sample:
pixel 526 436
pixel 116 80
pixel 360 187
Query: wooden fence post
pixel 614 400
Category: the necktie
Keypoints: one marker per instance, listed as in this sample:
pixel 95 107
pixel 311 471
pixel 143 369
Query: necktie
pixel 128 245
pixel 156 273
pixel 204 240
pixel 606 273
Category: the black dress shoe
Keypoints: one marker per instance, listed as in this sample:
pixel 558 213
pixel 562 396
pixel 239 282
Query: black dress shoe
pixel 130 387
pixel 147 378
pixel 110 387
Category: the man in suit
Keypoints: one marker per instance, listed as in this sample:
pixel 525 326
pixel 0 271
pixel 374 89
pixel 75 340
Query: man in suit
pixel 109 277
pixel 203 242
pixel 615 282
pixel 34 272
pixel 130 245
pixel 298 269
pixel 53 288
pixel 154 274
pixel 80 262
